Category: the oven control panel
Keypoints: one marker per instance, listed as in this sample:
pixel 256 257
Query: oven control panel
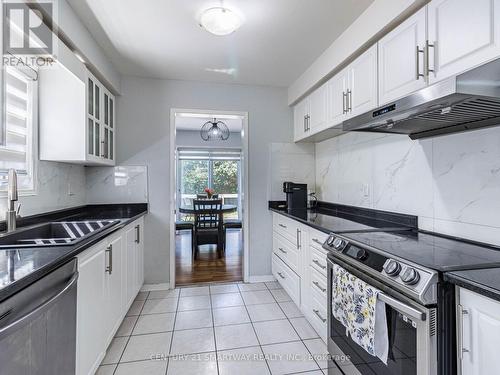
pixel 415 280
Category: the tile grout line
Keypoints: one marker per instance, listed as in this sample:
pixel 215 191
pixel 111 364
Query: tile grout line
pixel 129 336
pixel 293 327
pixel 256 336
pixel 213 330
pixel 173 330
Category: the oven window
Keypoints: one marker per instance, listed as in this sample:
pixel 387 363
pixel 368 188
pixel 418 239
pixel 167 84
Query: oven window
pixel 402 348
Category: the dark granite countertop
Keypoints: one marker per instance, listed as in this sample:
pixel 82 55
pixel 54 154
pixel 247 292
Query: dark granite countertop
pixel 21 267
pixel 485 281
pixel 329 217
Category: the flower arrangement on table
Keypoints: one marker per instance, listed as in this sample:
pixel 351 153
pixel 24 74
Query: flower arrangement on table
pixel 210 193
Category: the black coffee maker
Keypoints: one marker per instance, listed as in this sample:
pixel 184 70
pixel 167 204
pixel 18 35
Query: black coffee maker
pixel 296 195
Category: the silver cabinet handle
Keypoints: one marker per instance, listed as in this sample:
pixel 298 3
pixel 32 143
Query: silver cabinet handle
pixel 315 261
pixel 137 234
pixel 319 315
pixel 308 122
pixel 427 68
pixel 460 331
pixel 281 249
pixel 344 105
pixel 305 123
pixel 317 241
pixel 281 275
pixel 4 331
pixel 299 238
pixel 109 251
pixel 102 149
pixel 282 226
pixel 319 286
pixel 349 100
pixel 418 51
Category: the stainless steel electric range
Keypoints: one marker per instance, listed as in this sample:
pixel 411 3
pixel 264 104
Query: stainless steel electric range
pixel 407 267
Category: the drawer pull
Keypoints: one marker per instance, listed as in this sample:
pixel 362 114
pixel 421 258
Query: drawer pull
pixel 319 286
pixel 319 315
pixel 317 241
pixel 315 261
pixel 281 249
pixel 281 275
pixel 282 225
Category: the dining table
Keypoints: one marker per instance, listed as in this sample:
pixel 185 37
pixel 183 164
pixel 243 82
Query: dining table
pixel 226 208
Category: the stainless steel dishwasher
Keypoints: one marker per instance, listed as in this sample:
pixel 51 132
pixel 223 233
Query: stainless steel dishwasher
pixel 38 326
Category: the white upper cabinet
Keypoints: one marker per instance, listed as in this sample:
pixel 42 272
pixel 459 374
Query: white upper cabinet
pixel 401 59
pixel 317 119
pixel 300 119
pixel 337 97
pixel 76 115
pixel 362 93
pixel 464 34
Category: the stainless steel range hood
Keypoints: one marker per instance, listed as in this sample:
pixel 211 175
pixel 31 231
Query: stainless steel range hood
pixel 464 102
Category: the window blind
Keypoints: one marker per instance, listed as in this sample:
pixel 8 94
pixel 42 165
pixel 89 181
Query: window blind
pixel 208 154
pixel 17 152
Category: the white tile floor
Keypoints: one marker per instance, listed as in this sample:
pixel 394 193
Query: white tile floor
pixel 220 329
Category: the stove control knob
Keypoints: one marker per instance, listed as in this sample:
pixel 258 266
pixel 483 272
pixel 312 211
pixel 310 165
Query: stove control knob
pixel 392 268
pixel 410 276
pixel 330 241
pixel 339 244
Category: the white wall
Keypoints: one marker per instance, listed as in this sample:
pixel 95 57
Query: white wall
pixel 75 30
pixel 143 138
pixel 452 183
pixel 55 182
pixel 190 138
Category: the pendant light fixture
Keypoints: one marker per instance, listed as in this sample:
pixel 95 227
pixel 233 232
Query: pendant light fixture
pixel 214 131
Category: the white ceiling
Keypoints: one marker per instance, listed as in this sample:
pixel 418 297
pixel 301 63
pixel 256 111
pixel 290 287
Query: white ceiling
pixel 195 123
pixel 162 39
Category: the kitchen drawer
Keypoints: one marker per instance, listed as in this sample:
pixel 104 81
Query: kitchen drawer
pixel 286 251
pixel 319 283
pixel 317 238
pixel 318 315
pixel 288 279
pixel 288 228
pixel 318 260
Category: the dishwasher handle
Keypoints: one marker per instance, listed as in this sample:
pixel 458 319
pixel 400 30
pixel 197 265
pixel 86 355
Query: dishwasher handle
pixel 8 328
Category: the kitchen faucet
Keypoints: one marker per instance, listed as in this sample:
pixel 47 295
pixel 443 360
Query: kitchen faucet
pixel 12 197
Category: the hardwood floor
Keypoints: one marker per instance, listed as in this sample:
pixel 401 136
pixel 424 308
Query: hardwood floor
pixel 208 268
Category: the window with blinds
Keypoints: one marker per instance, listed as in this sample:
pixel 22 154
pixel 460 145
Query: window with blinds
pixel 18 151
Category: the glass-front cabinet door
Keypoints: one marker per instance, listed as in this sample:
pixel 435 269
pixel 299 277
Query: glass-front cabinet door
pixel 100 143
pixel 109 127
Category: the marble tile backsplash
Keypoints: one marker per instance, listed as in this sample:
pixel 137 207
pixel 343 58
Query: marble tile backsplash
pixel 452 183
pixel 58 186
pixel 121 184
pixel 290 162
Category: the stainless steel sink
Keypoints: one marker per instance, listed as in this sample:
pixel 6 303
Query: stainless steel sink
pixel 56 233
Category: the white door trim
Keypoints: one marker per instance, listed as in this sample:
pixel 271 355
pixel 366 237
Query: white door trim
pixel 173 189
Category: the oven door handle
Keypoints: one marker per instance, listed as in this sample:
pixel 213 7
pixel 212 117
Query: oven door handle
pixel 402 307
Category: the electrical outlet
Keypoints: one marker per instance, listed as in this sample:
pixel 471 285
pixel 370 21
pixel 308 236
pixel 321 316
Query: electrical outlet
pixel 366 190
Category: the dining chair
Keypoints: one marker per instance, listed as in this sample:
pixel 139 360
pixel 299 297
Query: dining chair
pixel 208 225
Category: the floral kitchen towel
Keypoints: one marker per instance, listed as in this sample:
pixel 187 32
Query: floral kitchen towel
pixel 356 306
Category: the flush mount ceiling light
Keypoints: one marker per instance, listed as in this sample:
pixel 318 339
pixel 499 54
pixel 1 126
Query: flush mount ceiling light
pixel 220 21
pixel 214 131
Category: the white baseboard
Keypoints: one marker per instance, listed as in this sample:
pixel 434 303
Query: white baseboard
pixel 151 287
pixel 261 278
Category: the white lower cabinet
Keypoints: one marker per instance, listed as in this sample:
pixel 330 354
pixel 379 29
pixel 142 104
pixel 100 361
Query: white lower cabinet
pixel 300 268
pixel 110 276
pixel 478 325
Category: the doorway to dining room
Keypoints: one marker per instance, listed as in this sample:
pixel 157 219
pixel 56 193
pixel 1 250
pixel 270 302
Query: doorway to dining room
pixel 210 170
